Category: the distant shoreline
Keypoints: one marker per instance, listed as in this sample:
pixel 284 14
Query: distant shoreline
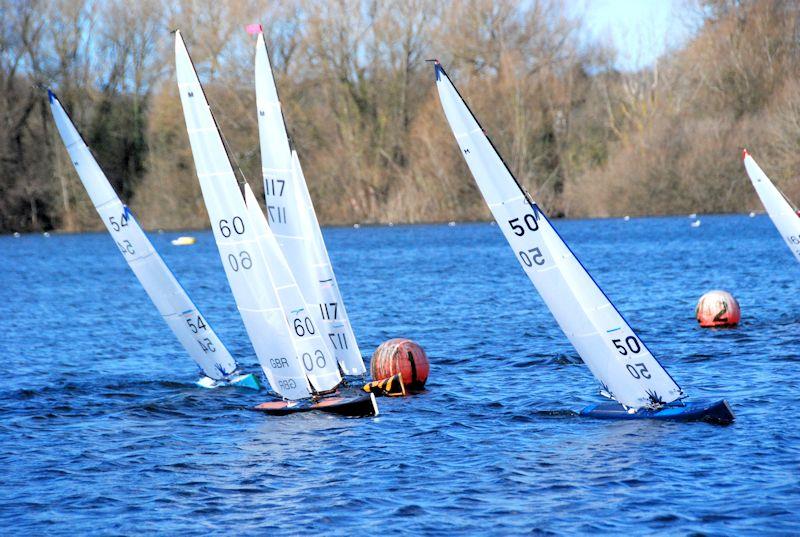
pixel 159 231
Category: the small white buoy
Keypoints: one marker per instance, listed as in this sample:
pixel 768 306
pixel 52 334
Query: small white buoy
pixel 391 224
pixel 46 234
pixel 183 241
pixel 16 235
pixel 451 224
pixel 356 226
pixel 160 231
pixel 696 223
pixel 693 215
pixel 626 218
pixel 752 214
pixel 491 223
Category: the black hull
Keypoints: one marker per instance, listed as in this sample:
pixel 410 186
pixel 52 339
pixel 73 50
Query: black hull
pixel 354 406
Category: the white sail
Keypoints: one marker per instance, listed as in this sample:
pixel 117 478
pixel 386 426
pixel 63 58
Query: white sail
pixel 237 239
pixel 292 219
pixel 319 363
pixel 606 343
pixel 189 326
pixel 778 207
pixel 333 313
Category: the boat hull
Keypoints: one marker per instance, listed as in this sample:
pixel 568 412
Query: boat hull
pixel 247 381
pixel 710 411
pixel 355 406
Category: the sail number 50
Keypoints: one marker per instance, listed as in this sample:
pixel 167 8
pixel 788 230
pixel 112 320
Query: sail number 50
pixel 641 372
pixel 631 343
pixel 531 257
pixel 530 222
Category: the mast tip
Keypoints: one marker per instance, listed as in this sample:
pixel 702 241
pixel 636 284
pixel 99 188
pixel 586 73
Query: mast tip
pixel 254 28
pixel 437 67
pixel 51 96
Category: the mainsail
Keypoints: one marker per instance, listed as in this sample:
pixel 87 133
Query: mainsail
pixel 294 222
pixel 319 363
pixel 778 207
pixel 607 344
pixel 189 326
pixel 237 239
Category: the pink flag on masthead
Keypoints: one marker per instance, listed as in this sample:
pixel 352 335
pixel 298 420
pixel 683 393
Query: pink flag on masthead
pixel 253 29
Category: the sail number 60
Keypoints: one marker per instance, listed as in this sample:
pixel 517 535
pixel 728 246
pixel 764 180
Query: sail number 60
pixel 244 261
pixel 303 327
pixel 308 360
pixel 236 222
pixel 529 220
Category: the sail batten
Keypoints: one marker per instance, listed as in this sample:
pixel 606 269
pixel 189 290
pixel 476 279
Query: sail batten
pixel 193 331
pixel 599 333
pixel 293 221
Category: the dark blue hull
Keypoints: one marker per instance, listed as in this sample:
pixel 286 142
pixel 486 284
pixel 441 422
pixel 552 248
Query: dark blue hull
pixel 711 411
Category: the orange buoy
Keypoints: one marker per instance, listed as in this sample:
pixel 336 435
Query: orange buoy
pixel 401 356
pixel 718 308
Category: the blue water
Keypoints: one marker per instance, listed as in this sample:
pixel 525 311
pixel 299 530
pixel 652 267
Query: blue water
pixel 103 431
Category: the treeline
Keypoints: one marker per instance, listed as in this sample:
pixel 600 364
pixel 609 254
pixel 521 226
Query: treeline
pixel 362 109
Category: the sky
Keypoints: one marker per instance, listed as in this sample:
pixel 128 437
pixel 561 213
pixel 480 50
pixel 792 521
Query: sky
pixel 640 30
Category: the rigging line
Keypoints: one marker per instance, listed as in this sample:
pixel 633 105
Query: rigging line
pixel 228 150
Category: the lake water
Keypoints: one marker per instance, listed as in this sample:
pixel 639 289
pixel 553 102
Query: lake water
pixel 103 431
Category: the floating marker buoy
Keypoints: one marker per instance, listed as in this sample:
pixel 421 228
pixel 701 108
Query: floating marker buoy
pixel 356 226
pixel 46 234
pixel 401 356
pixel 183 241
pixel 696 223
pixel 451 224
pixel 752 214
pixel 718 308
pixel 626 218
pixel 16 234
pixel 693 216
